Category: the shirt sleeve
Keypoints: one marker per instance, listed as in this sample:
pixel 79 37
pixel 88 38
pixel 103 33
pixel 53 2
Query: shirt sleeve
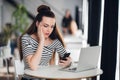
pixel 26 47
pixel 60 49
pixel 63 22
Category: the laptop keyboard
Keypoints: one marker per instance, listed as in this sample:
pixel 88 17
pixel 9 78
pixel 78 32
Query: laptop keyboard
pixel 73 68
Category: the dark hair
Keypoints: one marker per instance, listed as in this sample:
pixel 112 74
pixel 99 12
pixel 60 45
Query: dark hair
pixel 42 10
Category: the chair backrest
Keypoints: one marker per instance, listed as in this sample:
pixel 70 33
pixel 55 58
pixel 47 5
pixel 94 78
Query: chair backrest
pixel 19 68
pixel 7 52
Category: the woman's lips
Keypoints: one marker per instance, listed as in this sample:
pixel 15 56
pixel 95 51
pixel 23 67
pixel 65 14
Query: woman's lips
pixel 47 33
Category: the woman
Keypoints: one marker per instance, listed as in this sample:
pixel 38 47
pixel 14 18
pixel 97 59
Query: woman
pixel 66 22
pixel 41 40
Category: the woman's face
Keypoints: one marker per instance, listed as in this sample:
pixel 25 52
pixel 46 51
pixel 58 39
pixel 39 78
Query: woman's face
pixel 48 24
pixel 67 13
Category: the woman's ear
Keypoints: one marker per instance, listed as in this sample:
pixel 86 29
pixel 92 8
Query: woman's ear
pixel 37 23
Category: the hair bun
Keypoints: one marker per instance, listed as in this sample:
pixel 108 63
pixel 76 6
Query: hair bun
pixel 43 8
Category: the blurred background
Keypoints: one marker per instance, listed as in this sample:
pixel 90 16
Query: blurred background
pixel 93 25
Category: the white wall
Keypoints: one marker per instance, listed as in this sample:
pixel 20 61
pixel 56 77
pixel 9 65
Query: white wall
pixel 1 3
pixel 117 77
pixel 85 19
pixel 31 5
pixel 60 5
pixel 7 12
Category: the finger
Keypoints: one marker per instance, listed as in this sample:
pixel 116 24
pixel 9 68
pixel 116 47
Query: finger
pixel 69 58
pixel 61 64
pixel 62 61
pixel 39 25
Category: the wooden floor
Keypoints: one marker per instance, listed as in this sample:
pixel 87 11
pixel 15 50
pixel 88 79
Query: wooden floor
pixel 7 76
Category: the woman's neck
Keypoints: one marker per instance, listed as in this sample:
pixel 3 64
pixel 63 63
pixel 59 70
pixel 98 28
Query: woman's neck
pixel 47 40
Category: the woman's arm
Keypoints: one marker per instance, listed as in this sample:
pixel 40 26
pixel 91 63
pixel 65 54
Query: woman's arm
pixel 34 60
pixel 61 50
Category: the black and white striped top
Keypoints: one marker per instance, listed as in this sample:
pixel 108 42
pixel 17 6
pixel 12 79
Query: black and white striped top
pixel 29 46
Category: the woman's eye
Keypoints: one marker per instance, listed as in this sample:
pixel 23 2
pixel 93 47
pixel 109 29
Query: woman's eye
pixel 52 26
pixel 45 26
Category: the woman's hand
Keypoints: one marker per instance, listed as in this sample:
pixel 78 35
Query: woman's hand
pixel 65 63
pixel 40 33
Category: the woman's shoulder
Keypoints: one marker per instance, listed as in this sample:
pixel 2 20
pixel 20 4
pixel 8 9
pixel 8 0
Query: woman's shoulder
pixel 56 41
pixel 26 36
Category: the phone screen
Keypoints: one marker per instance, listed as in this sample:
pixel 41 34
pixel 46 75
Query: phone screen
pixel 65 55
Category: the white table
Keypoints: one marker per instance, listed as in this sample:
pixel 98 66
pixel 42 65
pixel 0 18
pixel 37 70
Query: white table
pixel 72 39
pixel 53 72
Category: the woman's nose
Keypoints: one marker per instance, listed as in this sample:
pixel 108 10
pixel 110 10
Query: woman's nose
pixel 49 29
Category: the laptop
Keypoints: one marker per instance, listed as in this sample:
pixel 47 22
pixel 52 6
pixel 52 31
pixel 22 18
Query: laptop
pixel 88 59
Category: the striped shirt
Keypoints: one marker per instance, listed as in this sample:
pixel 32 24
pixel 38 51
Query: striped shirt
pixel 29 46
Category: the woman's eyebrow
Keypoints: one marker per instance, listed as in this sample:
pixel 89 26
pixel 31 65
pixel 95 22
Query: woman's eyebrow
pixel 46 24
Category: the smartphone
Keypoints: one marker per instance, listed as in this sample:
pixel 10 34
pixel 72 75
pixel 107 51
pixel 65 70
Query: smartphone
pixel 64 57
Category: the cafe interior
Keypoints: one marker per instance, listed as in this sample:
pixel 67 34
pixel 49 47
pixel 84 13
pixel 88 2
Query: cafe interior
pixel 95 23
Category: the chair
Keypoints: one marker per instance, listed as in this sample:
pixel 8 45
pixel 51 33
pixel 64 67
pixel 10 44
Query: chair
pixel 6 56
pixel 19 69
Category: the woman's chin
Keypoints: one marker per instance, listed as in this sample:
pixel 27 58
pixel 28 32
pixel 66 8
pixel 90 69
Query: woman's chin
pixel 46 37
